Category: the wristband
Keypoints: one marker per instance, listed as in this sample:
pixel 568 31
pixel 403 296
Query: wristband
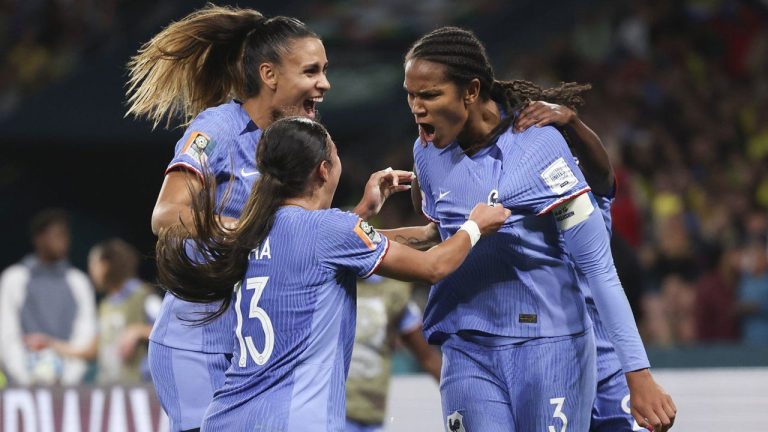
pixel 473 230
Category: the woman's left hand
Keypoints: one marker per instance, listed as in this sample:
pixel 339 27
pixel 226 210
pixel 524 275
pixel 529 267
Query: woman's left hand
pixel 540 113
pixel 381 185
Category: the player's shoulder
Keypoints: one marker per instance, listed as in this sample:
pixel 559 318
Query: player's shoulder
pixel 222 121
pixel 337 217
pixel 536 135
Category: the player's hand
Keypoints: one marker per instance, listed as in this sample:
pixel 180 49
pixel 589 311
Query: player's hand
pixel 540 113
pixel 128 341
pixel 229 223
pixel 651 406
pixel 37 341
pixel 381 185
pixel 489 219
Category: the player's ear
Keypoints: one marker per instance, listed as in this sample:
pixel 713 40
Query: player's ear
pixel 472 92
pixel 324 171
pixel 268 74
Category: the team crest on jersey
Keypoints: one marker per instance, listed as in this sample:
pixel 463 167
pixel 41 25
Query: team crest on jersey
pixel 455 422
pixel 367 234
pixel 199 146
pixel 493 198
pixel 559 177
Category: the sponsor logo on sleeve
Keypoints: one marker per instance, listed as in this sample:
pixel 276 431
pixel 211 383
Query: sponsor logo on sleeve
pixel 367 234
pixel 559 177
pixel 199 146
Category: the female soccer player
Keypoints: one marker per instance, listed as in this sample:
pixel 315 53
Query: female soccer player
pixel 517 347
pixel 295 262
pixel 272 67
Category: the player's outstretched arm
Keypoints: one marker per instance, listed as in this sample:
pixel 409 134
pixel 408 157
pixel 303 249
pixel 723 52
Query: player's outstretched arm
pixel 586 144
pixel 407 264
pixel 417 237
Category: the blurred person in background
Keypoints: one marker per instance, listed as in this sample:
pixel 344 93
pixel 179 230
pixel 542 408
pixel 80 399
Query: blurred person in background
pixel 752 305
pixel 669 305
pixel 126 313
pixel 125 316
pixel 385 315
pixel 717 319
pixel 44 297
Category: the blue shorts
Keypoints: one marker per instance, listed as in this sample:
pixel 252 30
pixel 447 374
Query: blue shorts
pixel 527 386
pixel 353 426
pixel 611 410
pixel 185 382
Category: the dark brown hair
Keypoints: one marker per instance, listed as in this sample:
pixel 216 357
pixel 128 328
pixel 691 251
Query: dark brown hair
pixel 206 58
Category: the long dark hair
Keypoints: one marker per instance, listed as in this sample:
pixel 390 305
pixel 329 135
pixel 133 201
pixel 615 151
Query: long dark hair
pixel 465 59
pixel 204 267
pixel 206 58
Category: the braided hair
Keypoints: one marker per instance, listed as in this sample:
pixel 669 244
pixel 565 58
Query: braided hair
pixel 464 58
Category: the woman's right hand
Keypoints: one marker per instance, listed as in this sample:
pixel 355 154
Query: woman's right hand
pixel 489 219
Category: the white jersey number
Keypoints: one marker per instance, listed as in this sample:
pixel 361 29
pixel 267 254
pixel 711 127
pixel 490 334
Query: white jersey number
pixel 558 402
pixel 260 357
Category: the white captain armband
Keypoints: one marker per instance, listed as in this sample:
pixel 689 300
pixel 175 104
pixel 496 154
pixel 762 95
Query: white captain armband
pixel 573 212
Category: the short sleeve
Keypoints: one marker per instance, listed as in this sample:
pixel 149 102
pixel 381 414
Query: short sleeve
pixel 428 205
pixel 546 175
pixel 345 241
pixel 202 144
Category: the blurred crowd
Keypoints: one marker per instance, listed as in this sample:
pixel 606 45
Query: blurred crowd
pixel 55 328
pixel 680 96
pixel 680 99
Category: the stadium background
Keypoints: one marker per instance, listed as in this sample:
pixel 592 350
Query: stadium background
pixel 680 98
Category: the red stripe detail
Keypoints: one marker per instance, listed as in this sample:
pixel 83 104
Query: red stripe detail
pixel 381 259
pixel 564 199
pixel 426 215
pixel 185 167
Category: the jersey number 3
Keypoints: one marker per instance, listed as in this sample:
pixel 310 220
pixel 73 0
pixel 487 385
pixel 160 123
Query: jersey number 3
pixel 254 311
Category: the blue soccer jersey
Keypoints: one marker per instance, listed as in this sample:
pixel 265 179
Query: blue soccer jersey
pixel 296 323
pixel 518 282
pixel 521 282
pixel 222 141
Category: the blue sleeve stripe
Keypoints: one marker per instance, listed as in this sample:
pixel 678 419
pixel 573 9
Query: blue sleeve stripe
pixel 549 208
pixel 187 167
pixel 379 260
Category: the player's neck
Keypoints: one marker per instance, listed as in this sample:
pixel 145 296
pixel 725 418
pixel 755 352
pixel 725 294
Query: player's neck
pixel 313 202
pixel 260 110
pixel 482 119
